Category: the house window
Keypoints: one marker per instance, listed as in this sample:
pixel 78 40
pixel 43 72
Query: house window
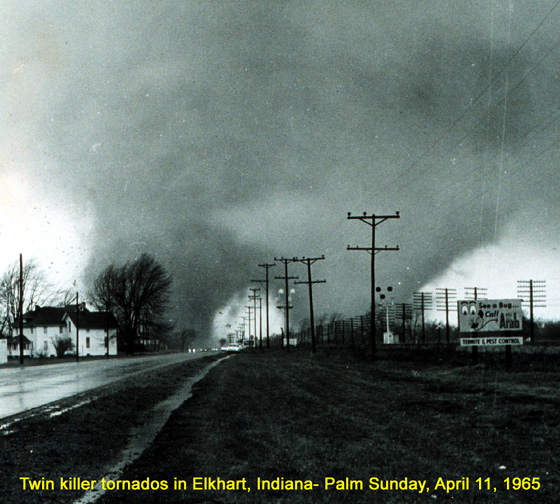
pixel 31 330
pixel 44 330
pixel 46 345
pixel 60 329
pixel 87 342
pixel 69 326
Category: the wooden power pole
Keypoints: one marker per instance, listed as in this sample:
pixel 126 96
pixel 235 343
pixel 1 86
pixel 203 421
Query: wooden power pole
pixel 373 221
pixel 266 266
pixel 285 261
pixel 309 261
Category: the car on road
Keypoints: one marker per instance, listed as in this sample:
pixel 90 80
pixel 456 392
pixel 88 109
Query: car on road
pixel 233 347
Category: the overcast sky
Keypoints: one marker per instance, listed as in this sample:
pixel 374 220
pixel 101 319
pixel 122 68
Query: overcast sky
pixel 218 135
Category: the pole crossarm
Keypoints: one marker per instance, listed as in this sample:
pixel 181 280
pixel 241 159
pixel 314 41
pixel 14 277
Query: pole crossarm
pixel 373 218
pixel 375 250
pixel 310 260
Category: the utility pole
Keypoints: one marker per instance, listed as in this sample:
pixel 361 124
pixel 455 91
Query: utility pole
pixel 362 329
pixel 309 261
pixel 20 309
pixel 405 313
pixel 286 261
pixel 243 329
pixel 249 308
pixel 254 297
pixel 77 328
pixel 476 293
pixel 266 266
pixel 107 325
pixel 373 221
pixel 423 302
pixel 536 289
pixel 260 322
pixel 443 296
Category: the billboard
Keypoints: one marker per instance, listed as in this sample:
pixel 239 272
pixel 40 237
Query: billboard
pixel 486 315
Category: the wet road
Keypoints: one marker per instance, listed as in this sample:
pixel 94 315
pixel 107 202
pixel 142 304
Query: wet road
pixel 29 387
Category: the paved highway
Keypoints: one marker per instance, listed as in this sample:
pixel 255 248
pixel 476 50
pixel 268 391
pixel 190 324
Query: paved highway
pixel 29 387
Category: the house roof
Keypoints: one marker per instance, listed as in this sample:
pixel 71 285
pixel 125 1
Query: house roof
pixel 42 316
pixel 54 316
pixel 94 320
pixel 11 339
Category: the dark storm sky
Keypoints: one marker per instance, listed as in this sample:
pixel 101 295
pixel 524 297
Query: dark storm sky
pixel 217 135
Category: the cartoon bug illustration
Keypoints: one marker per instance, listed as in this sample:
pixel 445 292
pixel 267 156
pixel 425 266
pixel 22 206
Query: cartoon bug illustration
pixel 476 319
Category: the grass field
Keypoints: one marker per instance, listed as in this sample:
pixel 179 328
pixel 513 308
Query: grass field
pixel 285 417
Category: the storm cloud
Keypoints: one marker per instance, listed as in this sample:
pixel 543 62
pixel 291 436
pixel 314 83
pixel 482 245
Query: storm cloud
pixel 217 135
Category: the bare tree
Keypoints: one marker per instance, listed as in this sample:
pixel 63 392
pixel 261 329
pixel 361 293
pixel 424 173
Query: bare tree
pixel 62 344
pixel 137 293
pixel 304 324
pixel 335 317
pixel 321 319
pixel 179 339
pixel 36 291
pixel 65 297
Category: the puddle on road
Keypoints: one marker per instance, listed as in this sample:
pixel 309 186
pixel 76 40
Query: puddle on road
pixel 144 435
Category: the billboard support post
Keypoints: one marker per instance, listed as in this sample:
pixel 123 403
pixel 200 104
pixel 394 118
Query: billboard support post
pixel 474 355
pixel 508 358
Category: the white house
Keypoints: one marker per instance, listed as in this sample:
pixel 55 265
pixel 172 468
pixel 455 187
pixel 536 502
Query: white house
pixel 93 330
pixel 42 326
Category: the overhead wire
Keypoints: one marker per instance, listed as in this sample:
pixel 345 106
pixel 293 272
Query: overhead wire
pixel 512 172
pixel 389 182
pixel 503 139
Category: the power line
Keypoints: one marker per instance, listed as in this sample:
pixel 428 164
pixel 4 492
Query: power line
pixel 471 104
